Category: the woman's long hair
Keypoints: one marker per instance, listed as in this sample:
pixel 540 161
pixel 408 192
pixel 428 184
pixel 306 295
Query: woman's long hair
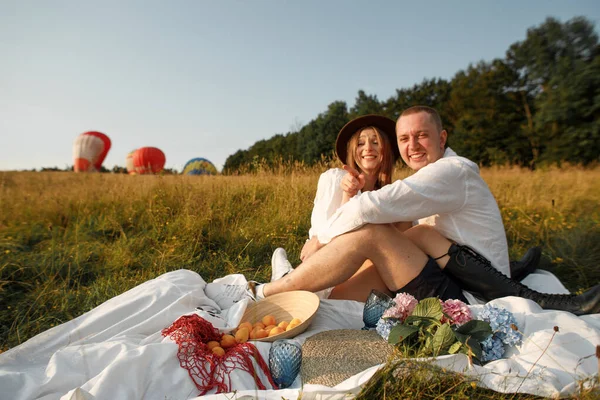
pixel 385 156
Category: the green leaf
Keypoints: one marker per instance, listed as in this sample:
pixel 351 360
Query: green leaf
pixel 455 348
pixel 430 308
pixel 426 350
pixel 461 337
pixel 424 322
pixel 442 339
pixel 471 347
pixel 400 333
pixel 477 329
pixel 475 348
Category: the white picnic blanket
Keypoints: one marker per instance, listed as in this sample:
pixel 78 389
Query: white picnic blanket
pixel 117 351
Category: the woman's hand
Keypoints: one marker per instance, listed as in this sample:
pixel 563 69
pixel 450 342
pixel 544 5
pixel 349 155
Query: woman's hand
pixel 352 182
pixel 310 247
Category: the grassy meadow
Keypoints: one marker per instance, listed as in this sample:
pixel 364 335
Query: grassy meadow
pixel 68 241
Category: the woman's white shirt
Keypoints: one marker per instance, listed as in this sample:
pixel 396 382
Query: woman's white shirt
pixel 327 200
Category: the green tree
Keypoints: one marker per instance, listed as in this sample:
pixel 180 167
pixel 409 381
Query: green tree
pixel 552 55
pixel 431 92
pixel 365 104
pixel 235 161
pixel 486 117
pixel 569 113
pixel 318 136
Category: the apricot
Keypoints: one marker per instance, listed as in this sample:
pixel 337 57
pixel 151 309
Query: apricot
pixel 283 324
pixel 291 326
pixel 218 351
pixel 296 321
pixel 228 341
pixel 259 324
pixel 269 327
pixel 212 344
pixel 246 325
pixel 269 320
pixel 261 334
pixel 242 335
pixel 275 331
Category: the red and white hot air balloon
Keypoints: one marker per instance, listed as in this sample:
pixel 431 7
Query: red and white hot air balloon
pixel 89 151
pixel 129 163
pixel 148 160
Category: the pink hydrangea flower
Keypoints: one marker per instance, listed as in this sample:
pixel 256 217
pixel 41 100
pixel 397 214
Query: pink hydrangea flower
pixel 457 310
pixel 403 307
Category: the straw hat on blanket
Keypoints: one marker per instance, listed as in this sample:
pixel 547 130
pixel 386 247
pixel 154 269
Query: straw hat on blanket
pixel 331 357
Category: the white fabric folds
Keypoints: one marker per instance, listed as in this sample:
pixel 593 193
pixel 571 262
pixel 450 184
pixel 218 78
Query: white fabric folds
pixel 117 351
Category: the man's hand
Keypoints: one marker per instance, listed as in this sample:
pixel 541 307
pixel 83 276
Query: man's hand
pixel 352 182
pixel 310 248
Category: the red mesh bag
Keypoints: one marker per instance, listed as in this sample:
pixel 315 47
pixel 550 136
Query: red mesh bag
pixel 208 370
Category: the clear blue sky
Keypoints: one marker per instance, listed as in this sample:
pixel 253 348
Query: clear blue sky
pixel 202 78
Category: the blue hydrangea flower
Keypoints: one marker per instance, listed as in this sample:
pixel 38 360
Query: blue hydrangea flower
pixel 384 326
pixel 502 322
pixel 512 337
pixel 492 348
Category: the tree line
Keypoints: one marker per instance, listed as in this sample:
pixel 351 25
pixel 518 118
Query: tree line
pixel 539 105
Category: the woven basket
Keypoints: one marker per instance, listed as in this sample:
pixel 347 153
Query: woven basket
pixel 285 307
pixel 331 357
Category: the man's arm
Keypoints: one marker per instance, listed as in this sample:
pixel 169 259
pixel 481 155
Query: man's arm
pixel 435 189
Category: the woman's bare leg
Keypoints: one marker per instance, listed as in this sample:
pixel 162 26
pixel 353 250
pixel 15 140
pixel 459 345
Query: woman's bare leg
pixel 431 242
pixel 359 286
pixel 397 259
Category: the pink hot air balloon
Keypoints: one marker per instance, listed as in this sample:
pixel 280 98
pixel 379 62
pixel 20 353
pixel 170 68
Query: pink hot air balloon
pixel 129 163
pixel 148 160
pixel 89 151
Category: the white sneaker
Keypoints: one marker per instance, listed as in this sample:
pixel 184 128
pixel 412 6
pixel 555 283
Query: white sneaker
pixel 280 266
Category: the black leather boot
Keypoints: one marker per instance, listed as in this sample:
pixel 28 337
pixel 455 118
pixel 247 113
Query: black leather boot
pixel 526 265
pixel 476 274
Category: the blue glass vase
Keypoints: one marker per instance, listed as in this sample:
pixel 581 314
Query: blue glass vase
pixel 285 360
pixel 376 304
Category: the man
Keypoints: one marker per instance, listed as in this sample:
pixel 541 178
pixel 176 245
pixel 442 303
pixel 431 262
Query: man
pixel 445 192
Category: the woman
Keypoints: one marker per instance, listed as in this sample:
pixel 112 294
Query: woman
pixel 366 146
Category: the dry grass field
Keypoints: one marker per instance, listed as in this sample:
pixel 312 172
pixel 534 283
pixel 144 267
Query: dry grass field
pixel 68 242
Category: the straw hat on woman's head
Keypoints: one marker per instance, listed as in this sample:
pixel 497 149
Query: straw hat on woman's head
pixel 385 125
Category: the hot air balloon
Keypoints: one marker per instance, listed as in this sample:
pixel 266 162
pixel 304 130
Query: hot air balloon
pixel 199 166
pixel 129 163
pixel 89 151
pixel 148 160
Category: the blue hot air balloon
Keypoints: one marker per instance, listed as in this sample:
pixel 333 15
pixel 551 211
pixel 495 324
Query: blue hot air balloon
pixel 199 166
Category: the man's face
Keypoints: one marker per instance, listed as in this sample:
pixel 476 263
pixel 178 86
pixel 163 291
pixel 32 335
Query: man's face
pixel 419 141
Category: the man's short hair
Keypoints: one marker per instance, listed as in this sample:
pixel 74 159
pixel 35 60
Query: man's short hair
pixel 432 112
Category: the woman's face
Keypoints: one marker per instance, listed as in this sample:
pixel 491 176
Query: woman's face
pixel 368 151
